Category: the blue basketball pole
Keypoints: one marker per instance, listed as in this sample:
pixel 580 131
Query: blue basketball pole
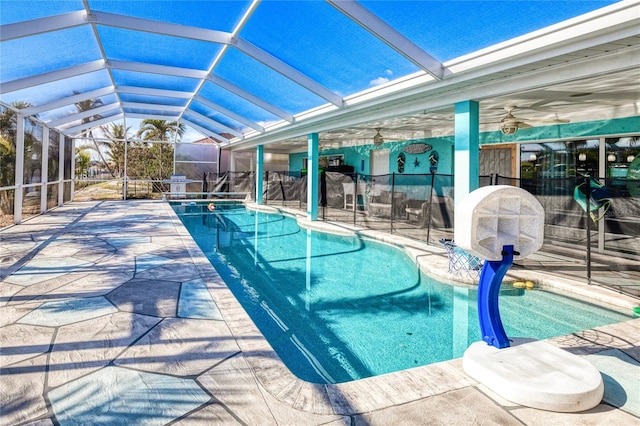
pixel 488 291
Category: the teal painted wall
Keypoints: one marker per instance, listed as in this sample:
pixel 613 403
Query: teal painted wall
pixel 295 161
pixel 358 156
pixel 419 163
pixel 617 126
pixel 355 155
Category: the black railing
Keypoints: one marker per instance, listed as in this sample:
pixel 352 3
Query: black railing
pixel 421 206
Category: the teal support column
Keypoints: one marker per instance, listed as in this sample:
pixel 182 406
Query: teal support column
pixel 467 146
pixel 259 173
pixel 312 176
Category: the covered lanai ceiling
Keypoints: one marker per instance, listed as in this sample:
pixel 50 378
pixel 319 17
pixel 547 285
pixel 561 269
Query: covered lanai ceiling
pixel 251 72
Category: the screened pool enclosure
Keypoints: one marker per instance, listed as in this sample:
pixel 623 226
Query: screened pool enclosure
pixel 119 99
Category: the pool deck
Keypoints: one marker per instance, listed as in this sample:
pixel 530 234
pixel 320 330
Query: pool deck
pixel 110 313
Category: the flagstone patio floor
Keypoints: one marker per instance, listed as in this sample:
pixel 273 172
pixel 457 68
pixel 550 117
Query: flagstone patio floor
pixel 110 314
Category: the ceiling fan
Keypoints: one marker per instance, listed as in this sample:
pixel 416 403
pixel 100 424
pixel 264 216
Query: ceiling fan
pixel 378 139
pixel 509 124
pixel 359 136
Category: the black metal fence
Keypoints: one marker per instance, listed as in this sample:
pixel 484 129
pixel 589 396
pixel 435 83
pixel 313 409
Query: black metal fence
pixel 421 206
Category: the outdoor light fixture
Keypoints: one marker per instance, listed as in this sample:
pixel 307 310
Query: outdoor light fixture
pixel 611 157
pixel 582 156
pixel 533 157
pixel 630 158
pixel 378 139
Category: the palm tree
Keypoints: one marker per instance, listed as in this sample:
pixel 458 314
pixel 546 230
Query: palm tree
pixel 116 133
pixel 8 119
pixel 158 162
pixel 82 161
pixel 88 105
pixel 160 130
pixel 8 127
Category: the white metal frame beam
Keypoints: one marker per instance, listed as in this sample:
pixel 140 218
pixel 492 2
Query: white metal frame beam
pixel 152 116
pixel 157 69
pixel 135 90
pixel 155 107
pixel 230 87
pixel 212 123
pixel 287 71
pixel 84 114
pixel 19 173
pixel 190 73
pixel 219 37
pixel 36 80
pixel 42 25
pixel 206 132
pixel 95 18
pixel 245 18
pixel 401 44
pixel 485 80
pixel 103 53
pixel 227 112
pixel 75 131
pixel 158 27
pixel 445 93
pixel 70 100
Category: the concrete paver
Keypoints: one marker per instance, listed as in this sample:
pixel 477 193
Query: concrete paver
pixel 621 376
pixel 109 311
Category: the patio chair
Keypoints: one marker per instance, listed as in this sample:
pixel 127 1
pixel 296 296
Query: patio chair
pixel 380 205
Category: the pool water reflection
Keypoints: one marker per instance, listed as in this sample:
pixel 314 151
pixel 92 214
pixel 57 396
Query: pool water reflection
pixel 339 308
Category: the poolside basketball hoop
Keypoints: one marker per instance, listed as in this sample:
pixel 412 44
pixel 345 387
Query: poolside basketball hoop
pixel 501 223
pixel 498 223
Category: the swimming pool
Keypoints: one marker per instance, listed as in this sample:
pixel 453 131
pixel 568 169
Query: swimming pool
pixel 338 308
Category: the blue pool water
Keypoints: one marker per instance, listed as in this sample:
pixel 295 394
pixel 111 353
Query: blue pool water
pixel 337 309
